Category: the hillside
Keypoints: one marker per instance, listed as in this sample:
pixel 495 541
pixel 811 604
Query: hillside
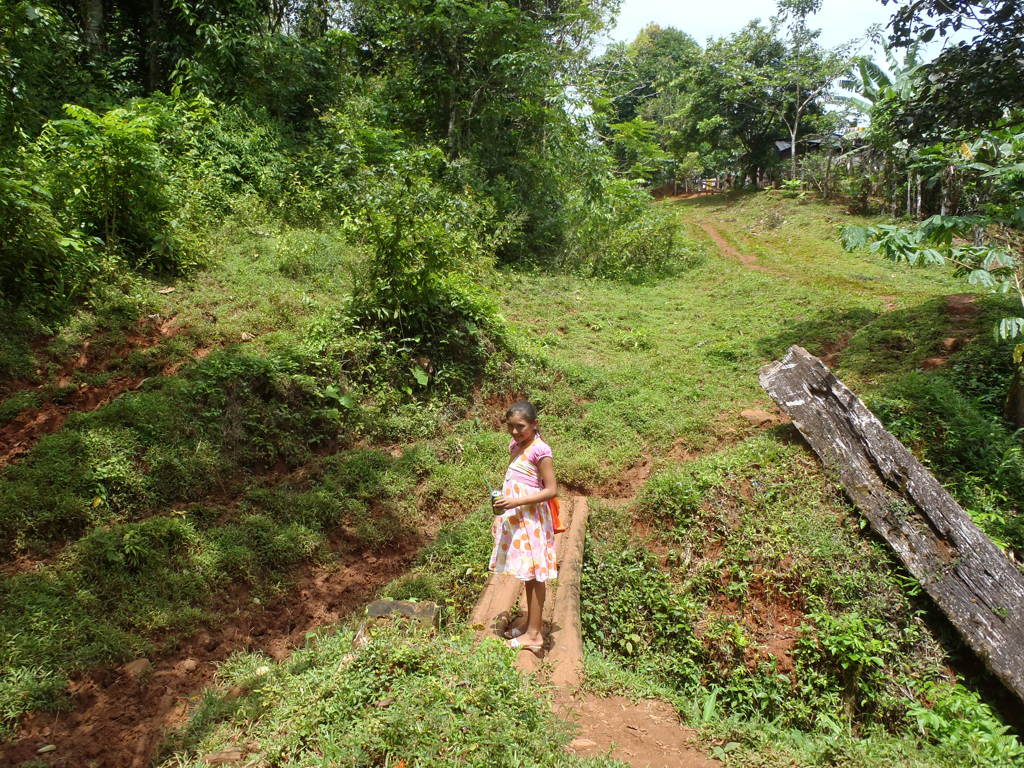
pixel 191 544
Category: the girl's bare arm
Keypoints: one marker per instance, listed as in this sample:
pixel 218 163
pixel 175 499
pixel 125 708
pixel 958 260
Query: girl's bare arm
pixel 547 474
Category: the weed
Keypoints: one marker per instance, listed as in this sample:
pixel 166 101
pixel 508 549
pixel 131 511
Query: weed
pixel 423 699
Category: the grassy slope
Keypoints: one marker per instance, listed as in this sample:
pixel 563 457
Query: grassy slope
pixel 622 373
pixel 127 529
pixel 741 585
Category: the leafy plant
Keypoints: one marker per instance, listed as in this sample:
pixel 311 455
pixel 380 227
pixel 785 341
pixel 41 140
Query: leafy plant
pixel 956 718
pixel 106 173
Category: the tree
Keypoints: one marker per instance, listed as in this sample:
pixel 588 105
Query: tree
pixel 635 93
pixel 808 70
pixel 971 84
pixel 731 97
pixel 633 75
pixel 754 85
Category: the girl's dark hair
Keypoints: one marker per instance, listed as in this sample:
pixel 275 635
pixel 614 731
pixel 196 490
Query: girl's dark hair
pixel 524 408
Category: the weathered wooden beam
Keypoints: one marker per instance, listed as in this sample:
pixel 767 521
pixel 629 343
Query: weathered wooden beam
pixel 964 572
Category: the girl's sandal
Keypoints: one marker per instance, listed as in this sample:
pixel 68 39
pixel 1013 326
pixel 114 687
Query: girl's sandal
pixel 516 644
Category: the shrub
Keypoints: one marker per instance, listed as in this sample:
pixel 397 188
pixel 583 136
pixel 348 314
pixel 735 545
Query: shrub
pixel 955 718
pixel 417 295
pixel 106 173
pixel 617 232
pixel 42 266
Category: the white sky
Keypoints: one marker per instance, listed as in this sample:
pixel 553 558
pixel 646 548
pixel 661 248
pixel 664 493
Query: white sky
pixel 839 20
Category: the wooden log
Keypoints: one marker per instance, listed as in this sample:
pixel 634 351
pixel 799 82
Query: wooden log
pixel 567 634
pixel 964 572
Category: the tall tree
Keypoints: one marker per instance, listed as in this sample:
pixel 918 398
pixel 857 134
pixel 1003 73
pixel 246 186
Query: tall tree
pixel 737 94
pixel 971 84
pixel 808 71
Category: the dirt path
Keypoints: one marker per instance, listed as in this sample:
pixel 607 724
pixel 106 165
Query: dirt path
pixel 963 314
pixel 19 434
pixel 645 733
pixel 751 262
pixel 119 716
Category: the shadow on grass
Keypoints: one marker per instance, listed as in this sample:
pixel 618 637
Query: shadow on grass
pixel 819 335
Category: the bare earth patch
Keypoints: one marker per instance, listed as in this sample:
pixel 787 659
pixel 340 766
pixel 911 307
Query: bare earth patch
pixel 751 262
pixel 645 733
pixel 962 312
pixel 120 715
pixel 20 434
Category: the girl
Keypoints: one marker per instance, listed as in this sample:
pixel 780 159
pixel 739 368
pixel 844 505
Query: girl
pixel 524 540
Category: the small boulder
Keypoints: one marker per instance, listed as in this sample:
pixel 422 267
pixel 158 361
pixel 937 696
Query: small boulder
pixel 582 744
pixel 425 612
pixel 136 669
pixel 189 665
pixel 233 755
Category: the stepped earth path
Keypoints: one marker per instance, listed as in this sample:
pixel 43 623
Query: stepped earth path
pixel 644 733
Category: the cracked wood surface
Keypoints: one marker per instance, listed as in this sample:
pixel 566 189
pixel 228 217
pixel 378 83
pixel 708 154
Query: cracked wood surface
pixel 962 570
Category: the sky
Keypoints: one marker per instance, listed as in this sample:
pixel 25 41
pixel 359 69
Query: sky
pixel 839 20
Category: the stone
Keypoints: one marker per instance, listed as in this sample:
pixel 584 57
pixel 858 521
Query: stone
pixel 189 665
pixel 582 744
pixel 246 336
pixel 425 613
pixel 136 669
pixel 759 418
pixel 233 755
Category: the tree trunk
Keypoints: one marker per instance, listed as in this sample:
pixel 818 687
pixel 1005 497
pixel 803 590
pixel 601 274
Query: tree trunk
pixel 92 26
pixel 1014 410
pixel 792 151
pixel 826 190
pixel 154 80
pixel 969 578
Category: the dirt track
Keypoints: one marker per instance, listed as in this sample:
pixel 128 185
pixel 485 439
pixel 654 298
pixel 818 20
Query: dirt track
pixel 119 716
pixel 644 733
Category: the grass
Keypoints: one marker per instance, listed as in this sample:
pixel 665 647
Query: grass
pixel 135 519
pixel 428 699
pixel 241 465
pixel 663 370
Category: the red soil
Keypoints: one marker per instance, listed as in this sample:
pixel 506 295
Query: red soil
pixel 22 432
pixel 962 312
pixel 745 259
pixel 119 716
pixel 645 733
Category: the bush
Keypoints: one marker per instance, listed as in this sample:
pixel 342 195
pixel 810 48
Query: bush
pixel 43 267
pixel 955 718
pixel 417 296
pixel 619 233
pixel 106 173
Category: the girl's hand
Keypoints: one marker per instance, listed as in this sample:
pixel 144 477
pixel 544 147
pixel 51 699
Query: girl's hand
pixel 505 504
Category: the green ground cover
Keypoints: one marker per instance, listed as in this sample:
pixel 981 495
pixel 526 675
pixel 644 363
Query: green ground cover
pixel 195 476
pixel 412 701
pixel 740 585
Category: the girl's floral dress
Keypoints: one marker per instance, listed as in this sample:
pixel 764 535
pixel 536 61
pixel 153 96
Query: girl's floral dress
pixel 524 537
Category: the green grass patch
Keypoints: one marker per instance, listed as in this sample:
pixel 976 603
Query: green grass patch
pixel 773 621
pixel 425 699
